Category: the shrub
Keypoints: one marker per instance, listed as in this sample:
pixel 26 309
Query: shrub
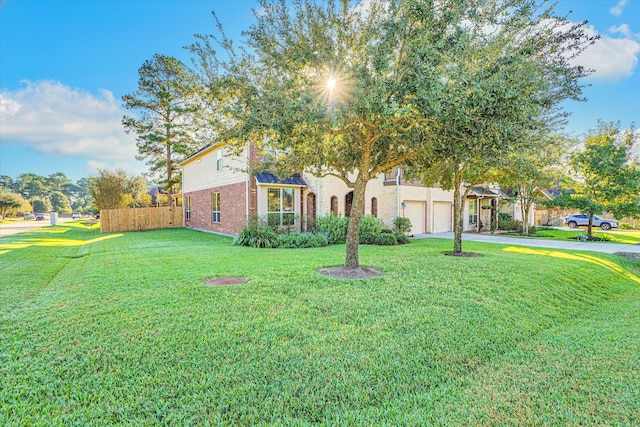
pixel 257 236
pixel 370 224
pixel 533 229
pixel 366 239
pixel 301 240
pixel 401 225
pixel 334 227
pixel 384 239
pixel 625 226
pixel 401 238
pixel 387 230
pixel 381 239
pixel 503 217
pixel 511 225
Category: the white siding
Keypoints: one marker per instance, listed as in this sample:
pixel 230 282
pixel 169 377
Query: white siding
pixel 200 173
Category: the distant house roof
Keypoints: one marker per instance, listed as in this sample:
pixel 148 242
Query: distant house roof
pixel 269 178
pixel 154 192
pixel 484 192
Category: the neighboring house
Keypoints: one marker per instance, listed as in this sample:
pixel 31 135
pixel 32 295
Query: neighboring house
pixel 514 207
pixel 156 192
pixel 219 195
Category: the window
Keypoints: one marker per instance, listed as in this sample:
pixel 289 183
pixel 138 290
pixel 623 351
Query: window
pixel 281 206
pixel 215 207
pixel 473 212
pixel 391 174
pixel 374 207
pixel 334 205
pixel 219 160
pixel 348 202
pixel 187 209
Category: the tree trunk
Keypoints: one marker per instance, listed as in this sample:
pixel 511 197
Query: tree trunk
pixel 590 226
pixel 353 232
pixel 169 169
pixel 525 206
pixel 458 210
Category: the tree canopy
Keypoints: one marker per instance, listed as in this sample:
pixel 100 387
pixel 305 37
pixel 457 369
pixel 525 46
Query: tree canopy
pixel 355 89
pixel 606 174
pixel 116 189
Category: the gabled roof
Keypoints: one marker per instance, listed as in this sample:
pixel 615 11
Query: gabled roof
pixel 269 178
pixel 203 150
pixel 479 191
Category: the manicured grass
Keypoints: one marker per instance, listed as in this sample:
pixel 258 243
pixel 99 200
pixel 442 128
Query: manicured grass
pixel 119 329
pixel 630 237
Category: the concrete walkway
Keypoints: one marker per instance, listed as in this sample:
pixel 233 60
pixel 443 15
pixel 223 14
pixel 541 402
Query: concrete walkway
pixel 610 248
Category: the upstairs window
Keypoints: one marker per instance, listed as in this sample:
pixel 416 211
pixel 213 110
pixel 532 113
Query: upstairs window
pixel 219 160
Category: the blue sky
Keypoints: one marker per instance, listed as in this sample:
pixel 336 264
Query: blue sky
pixel 64 66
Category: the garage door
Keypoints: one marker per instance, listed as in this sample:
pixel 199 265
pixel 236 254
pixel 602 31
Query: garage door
pixel 415 211
pixel 441 217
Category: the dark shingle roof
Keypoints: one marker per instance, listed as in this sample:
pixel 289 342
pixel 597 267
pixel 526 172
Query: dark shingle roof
pixel 269 178
pixel 481 191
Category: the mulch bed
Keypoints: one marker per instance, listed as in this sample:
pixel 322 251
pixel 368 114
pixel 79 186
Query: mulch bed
pixel 463 254
pixel 630 255
pixel 352 273
pixel 225 281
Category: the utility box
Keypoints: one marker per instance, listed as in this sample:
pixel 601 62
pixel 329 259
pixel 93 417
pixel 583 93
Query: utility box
pixel 53 217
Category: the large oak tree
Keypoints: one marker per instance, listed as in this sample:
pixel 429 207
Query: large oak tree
pixel 353 89
pixel 505 77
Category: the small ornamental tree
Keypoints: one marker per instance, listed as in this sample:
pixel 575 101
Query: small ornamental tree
pixel 529 171
pixel 116 189
pixel 11 203
pixel 606 173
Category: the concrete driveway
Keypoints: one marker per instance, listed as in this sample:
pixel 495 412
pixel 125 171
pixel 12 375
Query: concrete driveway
pixel 19 226
pixel 609 248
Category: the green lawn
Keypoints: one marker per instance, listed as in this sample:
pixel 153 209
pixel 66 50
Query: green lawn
pixel 631 237
pixel 119 329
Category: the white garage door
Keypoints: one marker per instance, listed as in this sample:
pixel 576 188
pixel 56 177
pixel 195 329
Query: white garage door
pixel 415 211
pixel 441 217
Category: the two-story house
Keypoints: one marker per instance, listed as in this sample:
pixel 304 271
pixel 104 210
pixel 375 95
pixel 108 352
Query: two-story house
pixel 219 195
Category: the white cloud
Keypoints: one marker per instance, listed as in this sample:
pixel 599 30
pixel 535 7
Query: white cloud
pixel 618 8
pixel 621 29
pixel 611 58
pixel 55 119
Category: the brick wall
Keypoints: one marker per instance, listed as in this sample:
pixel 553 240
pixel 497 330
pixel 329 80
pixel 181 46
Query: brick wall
pixel 233 209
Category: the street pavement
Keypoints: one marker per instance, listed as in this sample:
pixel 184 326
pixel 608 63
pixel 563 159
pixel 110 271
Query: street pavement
pixel 19 226
pixel 610 248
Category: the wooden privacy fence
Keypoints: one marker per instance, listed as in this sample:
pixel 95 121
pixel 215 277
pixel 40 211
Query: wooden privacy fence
pixel 138 219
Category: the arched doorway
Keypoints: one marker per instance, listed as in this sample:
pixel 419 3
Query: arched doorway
pixel 334 205
pixel 311 211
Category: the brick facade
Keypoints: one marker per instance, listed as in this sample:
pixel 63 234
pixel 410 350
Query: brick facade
pixel 233 210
